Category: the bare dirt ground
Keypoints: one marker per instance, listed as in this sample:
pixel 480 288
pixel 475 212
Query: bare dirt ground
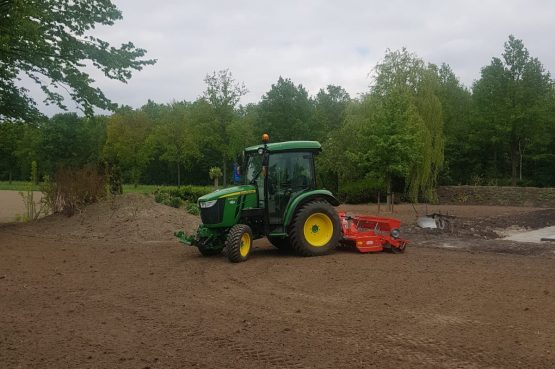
pixel 11 205
pixel 110 288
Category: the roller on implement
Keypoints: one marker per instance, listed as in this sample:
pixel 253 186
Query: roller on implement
pixel 279 199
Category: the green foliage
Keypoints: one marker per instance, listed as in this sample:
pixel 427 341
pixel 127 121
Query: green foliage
pixel 48 41
pixel 127 133
pixel 512 101
pixel 185 196
pixel 285 112
pixel 416 126
pixel 222 94
pixel 192 208
pixel 394 133
pixel 214 173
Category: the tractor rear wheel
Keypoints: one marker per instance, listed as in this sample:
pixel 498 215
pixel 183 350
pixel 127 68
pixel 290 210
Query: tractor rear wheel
pixel 281 243
pixel 315 229
pixel 239 243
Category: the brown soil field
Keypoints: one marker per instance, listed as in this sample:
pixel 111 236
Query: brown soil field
pixel 111 288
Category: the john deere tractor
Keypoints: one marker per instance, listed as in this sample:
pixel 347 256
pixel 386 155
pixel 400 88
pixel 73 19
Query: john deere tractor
pixel 278 200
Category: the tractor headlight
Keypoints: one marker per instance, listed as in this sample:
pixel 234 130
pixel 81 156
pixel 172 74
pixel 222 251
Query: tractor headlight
pixel 207 204
pixel 395 233
pixel 260 151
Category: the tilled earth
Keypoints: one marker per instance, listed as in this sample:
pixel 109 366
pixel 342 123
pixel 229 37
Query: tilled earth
pixel 451 301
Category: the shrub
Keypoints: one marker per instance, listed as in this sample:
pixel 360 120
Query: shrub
pixel 186 193
pixel 192 208
pixel 356 192
pixel 72 189
pixel 175 202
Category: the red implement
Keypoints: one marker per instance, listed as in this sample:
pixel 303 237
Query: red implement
pixel 372 234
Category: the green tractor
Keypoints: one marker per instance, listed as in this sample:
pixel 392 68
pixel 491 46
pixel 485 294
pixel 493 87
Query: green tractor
pixel 278 200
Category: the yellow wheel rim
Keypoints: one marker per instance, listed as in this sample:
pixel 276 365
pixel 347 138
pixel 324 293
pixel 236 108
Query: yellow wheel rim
pixel 318 229
pixel 245 244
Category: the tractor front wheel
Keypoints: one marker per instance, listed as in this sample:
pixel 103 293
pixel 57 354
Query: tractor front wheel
pixel 315 229
pixel 239 243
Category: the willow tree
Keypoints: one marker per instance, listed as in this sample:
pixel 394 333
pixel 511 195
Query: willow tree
pixel 404 74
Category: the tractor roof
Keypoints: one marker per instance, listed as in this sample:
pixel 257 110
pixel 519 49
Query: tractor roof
pixel 288 146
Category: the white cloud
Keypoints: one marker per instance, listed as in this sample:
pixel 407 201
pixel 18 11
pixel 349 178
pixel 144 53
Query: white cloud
pixel 314 43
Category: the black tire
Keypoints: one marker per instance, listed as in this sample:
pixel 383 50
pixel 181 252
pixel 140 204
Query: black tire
pixel 209 251
pixel 319 212
pixel 398 250
pixel 281 243
pixel 237 249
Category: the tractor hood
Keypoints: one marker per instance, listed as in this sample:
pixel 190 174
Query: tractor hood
pixel 228 192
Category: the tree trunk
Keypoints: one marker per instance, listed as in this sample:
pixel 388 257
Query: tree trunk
pixel 224 171
pixel 520 154
pixel 514 163
pixel 388 195
pixel 216 182
pixel 178 175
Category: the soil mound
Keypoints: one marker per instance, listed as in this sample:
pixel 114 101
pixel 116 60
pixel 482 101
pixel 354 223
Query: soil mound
pixel 130 217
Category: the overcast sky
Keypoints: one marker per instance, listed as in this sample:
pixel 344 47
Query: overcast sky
pixel 315 43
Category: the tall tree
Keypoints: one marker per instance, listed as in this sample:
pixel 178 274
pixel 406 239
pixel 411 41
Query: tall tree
pixel 49 41
pixel 286 112
pixel 330 107
pixel 176 137
pixel 10 134
pixel 223 93
pixel 511 100
pixel 456 103
pixel 126 139
pixel 404 74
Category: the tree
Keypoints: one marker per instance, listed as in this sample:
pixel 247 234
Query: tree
pixel 69 140
pixel 176 137
pixel 49 41
pixel 286 111
pixel 511 99
pixel 330 106
pixel 405 83
pixel 10 134
pixel 462 144
pixel 126 138
pixel 388 140
pixel 223 94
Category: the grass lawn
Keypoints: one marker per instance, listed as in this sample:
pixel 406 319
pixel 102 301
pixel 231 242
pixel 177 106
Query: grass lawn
pixel 23 186
pixel 16 186
pixel 145 189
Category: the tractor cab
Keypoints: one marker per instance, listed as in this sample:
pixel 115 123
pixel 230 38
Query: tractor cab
pixel 280 173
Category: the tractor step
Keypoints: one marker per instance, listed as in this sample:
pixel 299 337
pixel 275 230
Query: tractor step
pixel 371 234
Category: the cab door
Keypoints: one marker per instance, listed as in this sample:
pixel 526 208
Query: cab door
pixel 289 174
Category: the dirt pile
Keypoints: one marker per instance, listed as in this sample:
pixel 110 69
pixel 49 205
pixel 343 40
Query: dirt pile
pixel 130 217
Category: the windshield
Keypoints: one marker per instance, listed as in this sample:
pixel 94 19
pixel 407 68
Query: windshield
pixel 253 167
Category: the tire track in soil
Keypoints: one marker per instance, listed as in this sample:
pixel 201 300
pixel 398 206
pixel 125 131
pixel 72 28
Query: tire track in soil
pixel 246 351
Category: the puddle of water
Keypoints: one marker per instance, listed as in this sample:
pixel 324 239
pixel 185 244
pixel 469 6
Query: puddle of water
pixel 533 236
